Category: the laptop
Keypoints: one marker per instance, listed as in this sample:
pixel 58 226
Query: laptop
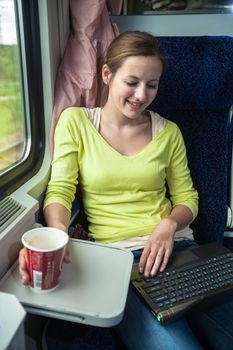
pixel 196 278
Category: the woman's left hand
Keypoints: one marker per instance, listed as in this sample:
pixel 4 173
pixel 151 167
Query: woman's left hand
pixel 158 248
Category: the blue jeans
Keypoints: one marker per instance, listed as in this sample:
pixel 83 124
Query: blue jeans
pixel 139 330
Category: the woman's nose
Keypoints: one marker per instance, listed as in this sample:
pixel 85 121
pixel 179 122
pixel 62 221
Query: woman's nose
pixel 140 92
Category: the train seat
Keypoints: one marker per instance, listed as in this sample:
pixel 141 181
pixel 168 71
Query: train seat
pixel 197 93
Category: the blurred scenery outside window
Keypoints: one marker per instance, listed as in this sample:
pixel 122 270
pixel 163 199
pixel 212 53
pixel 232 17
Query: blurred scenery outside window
pixel 12 117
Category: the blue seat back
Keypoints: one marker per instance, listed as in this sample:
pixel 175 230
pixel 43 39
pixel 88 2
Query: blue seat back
pixel 197 93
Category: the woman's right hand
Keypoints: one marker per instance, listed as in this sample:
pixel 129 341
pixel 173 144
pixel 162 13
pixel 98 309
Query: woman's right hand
pixel 25 278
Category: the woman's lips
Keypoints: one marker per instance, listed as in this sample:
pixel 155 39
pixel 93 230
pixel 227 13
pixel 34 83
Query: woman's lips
pixel 135 105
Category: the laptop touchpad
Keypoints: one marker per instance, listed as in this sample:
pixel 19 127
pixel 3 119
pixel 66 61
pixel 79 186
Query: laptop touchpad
pixel 182 258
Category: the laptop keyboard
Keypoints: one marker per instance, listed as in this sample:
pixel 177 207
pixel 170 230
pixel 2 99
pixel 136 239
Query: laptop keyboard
pixel 176 290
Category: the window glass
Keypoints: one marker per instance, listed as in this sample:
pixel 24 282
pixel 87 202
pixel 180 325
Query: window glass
pixel 12 116
pixel 136 7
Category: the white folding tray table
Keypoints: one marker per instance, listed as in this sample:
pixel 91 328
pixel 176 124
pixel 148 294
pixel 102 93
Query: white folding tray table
pixel 92 290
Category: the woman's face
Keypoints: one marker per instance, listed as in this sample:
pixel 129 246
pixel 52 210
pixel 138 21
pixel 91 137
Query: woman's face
pixel 134 86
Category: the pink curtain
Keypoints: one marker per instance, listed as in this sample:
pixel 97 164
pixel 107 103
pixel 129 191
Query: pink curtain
pixel 78 80
pixel 114 6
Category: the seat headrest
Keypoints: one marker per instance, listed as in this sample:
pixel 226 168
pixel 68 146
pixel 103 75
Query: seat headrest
pixel 199 73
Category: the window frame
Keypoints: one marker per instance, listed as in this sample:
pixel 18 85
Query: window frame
pixel 28 36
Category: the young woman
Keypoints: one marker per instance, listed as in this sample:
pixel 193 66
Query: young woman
pixel 124 158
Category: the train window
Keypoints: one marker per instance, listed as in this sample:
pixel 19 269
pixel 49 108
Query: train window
pixel 21 112
pixel 139 7
pixel 13 123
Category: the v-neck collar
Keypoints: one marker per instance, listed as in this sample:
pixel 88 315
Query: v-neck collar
pixel 95 124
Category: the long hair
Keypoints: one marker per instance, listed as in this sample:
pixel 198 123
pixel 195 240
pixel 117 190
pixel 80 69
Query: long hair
pixel 132 43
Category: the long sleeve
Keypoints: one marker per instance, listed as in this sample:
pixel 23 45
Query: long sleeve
pixel 179 180
pixel 65 168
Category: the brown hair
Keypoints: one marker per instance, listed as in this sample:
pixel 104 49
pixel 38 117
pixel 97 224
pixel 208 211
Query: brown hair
pixel 132 43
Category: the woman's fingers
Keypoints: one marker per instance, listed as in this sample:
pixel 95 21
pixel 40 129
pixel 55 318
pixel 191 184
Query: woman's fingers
pixel 143 258
pixel 158 261
pixel 161 262
pixel 154 259
pixel 153 262
pixel 66 258
pixel 23 267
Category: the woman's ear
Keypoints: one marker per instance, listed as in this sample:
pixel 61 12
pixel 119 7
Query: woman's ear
pixel 106 74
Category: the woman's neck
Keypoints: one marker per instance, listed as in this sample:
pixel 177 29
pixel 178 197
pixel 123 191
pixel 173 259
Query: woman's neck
pixel 119 120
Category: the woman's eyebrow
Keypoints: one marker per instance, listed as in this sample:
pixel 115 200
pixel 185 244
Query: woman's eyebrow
pixel 132 77
pixel 137 78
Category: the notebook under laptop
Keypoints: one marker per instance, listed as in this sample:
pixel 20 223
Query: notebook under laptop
pixel 195 278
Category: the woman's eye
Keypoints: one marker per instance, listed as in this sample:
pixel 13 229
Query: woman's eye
pixel 134 83
pixel 152 86
pixel 129 83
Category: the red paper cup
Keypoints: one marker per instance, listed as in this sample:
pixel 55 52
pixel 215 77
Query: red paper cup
pixel 45 248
